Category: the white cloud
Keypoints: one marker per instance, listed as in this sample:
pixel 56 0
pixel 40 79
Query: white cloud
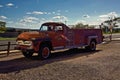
pixel 94 23
pixel 86 16
pixel 102 19
pixel 43 19
pixel 10 4
pixel 29 20
pixel 108 16
pixel 19 25
pixel 53 12
pixel 1 6
pixel 3 17
pixel 35 12
pixel 60 18
pixel 58 12
pixel 32 18
pixel 103 16
pixel 32 22
pixel 28 13
pixel 10 22
pixel 113 14
pixel 57 17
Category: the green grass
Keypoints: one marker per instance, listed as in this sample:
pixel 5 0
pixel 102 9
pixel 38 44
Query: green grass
pixel 110 33
pixel 2 38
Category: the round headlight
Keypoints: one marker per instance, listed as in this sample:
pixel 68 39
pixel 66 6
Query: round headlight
pixel 28 42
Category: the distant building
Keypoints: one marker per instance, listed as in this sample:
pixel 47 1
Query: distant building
pixel 2 24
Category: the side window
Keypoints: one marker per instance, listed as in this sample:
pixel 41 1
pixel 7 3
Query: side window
pixel 58 28
pixel 44 28
pixel 50 28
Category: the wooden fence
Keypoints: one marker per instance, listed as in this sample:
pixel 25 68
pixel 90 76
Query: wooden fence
pixel 7 48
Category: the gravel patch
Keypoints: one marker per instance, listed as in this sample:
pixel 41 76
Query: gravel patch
pixel 103 64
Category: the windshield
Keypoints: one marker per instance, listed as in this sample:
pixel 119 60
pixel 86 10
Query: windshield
pixel 51 28
pixel 46 28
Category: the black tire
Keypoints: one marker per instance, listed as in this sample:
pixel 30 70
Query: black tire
pixel 87 48
pixel 27 54
pixel 44 52
pixel 92 46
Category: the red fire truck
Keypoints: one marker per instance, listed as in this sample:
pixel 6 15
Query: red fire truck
pixel 54 36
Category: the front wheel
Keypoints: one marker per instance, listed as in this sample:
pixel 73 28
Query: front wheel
pixel 27 54
pixel 44 52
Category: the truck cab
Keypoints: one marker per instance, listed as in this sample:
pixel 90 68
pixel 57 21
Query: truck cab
pixel 54 32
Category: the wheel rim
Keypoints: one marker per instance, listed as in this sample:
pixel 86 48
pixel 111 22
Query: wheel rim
pixel 93 46
pixel 45 52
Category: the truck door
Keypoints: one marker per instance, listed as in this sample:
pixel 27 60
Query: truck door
pixel 59 41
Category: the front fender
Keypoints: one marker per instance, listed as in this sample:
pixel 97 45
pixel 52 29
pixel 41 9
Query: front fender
pixel 37 42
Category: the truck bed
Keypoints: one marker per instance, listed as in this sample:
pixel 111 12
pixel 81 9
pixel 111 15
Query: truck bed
pixel 80 36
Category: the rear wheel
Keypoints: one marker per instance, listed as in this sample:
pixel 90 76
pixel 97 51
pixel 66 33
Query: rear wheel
pixel 27 54
pixel 92 46
pixel 44 52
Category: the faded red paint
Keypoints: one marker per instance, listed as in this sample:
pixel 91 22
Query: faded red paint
pixel 63 37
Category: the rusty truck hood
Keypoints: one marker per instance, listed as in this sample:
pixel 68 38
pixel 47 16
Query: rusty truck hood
pixel 30 35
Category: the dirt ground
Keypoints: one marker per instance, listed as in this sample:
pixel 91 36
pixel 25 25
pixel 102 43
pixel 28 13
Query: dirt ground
pixel 76 64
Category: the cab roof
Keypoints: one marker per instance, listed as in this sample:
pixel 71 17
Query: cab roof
pixel 53 23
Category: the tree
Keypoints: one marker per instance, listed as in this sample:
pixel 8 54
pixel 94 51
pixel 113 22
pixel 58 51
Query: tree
pixel 117 19
pixel 112 23
pixel 2 26
pixel 81 26
pixel 2 29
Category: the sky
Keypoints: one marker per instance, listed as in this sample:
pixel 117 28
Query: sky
pixel 32 13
